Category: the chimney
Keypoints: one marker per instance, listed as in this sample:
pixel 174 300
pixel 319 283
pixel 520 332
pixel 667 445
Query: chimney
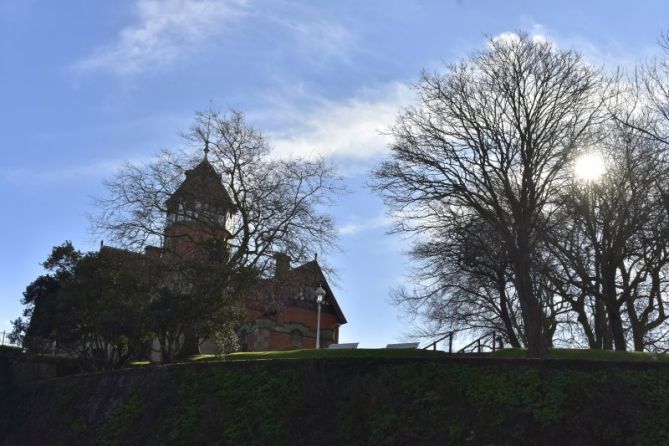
pixel 281 265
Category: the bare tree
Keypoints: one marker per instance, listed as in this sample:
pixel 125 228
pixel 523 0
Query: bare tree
pixel 461 282
pixel 649 95
pixel 492 137
pixel 267 205
pixel 279 203
pixel 612 245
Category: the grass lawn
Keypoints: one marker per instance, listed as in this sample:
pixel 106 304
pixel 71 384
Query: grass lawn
pixel 556 353
pixel 596 355
pixel 323 353
pixel 139 363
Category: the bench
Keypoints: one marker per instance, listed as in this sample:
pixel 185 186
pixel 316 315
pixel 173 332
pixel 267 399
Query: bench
pixel 404 345
pixel 350 345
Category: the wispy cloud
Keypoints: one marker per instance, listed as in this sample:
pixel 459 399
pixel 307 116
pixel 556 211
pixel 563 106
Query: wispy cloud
pixel 317 38
pixel 164 32
pixel 51 175
pixel 353 127
pixel 356 226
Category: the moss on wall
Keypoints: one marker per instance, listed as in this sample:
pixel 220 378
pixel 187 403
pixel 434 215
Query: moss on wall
pixel 353 401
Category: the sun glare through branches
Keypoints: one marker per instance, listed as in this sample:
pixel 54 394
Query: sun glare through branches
pixel 589 167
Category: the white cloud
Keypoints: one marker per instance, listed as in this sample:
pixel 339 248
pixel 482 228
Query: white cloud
pixel 610 55
pixel 507 38
pixel 165 31
pixel 538 35
pixel 357 226
pixel 353 127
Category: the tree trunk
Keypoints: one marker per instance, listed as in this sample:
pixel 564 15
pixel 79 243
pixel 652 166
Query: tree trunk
pixel 601 326
pixel 579 308
pixel 191 345
pixel 612 307
pixel 635 324
pixel 616 325
pixel 532 313
pixel 504 312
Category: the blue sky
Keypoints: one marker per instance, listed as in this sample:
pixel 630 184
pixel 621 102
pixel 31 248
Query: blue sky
pixel 86 85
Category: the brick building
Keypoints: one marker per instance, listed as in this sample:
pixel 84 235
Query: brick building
pixel 281 311
pixel 290 317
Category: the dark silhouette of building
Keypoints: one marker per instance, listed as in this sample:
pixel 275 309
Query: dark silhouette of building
pixel 281 311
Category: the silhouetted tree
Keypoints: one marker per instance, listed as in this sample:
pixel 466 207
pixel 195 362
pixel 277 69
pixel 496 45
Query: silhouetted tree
pixel 612 244
pixel 41 314
pixel 90 306
pixel 277 205
pixel 462 282
pixel 493 139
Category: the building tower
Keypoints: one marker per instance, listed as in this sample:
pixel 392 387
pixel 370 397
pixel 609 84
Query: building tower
pixel 199 215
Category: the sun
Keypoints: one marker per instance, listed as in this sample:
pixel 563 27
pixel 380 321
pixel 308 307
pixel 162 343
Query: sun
pixel 589 167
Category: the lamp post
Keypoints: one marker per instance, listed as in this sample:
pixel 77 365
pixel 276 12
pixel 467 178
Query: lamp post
pixel 320 294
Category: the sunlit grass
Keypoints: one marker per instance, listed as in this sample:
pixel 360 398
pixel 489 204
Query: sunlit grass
pixel 323 353
pixel 557 353
pixel 139 363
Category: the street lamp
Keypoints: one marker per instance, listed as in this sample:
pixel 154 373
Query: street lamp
pixel 320 294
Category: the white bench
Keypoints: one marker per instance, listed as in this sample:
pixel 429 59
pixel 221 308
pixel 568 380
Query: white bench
pixel 404 345
pixel 350 345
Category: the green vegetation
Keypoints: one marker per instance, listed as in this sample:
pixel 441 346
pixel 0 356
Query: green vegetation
pixel 584 354
pixel 369 399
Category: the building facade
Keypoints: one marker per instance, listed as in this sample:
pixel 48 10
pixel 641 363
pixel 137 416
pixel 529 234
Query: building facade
pixel 281 311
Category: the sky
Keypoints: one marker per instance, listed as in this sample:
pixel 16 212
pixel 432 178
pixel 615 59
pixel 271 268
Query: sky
pixel 86 85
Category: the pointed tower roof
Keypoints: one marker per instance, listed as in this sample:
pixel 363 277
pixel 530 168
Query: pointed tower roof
pixel 203 184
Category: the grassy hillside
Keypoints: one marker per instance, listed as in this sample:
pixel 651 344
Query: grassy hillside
pixel 368 399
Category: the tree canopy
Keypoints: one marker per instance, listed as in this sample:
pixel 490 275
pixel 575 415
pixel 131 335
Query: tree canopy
pixel 507 237
pixel 490 140
pixel 115 302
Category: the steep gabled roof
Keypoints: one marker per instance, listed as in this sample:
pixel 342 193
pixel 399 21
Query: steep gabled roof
pixel 288 289
pixel 202 184
pixel 313 269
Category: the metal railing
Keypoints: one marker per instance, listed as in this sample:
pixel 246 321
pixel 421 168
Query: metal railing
pixel 479 345
pixel 448 335
pixel 489 342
